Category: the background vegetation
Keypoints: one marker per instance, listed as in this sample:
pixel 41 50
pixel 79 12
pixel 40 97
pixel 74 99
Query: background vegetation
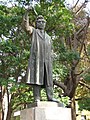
pixel 69 29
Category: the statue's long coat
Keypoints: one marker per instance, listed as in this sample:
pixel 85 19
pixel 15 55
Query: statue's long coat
pixel 40 56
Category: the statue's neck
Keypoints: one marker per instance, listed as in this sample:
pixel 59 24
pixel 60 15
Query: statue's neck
pixel 42 31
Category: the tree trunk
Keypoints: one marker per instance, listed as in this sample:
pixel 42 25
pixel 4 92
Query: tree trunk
pixel 2 96
pixel 9 112
pixel 73 109
pixel 2 115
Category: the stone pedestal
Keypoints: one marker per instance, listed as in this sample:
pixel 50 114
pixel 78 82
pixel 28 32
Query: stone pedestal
pixel 46 111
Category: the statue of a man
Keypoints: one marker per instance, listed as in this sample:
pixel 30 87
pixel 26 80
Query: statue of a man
pixel 39 73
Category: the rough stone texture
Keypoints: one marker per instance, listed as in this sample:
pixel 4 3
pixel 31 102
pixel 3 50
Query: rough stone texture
pixel 27 114
pixel 48 112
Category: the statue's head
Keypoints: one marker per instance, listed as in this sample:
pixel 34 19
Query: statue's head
pixel 40 22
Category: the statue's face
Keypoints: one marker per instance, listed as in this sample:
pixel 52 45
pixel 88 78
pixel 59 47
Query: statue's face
pixel 40 24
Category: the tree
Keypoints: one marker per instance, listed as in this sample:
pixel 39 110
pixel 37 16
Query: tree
pixel 13 60
pixel 14 54
pixel 83 90
pixel 68 35
pixel 76 45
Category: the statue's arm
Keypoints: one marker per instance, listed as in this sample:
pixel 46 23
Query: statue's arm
pixel 25 24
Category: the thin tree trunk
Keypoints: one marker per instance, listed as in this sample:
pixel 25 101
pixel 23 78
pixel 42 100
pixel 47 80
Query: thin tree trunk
pixel 9 112
pixel 2 109
pixel 2 115
pixel 73 109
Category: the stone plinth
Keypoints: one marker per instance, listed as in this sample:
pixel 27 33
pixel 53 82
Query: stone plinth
pixel 45 104
pixel 46 111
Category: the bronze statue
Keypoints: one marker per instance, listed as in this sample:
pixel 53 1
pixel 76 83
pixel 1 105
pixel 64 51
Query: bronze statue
pixel 39 73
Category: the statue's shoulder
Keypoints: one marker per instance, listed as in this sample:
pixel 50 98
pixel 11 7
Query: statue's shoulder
pixel 47 36
pixel 35 31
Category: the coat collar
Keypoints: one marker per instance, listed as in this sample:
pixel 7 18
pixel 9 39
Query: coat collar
pixel 40 34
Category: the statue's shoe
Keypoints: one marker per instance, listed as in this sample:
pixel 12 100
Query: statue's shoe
pixel 54 100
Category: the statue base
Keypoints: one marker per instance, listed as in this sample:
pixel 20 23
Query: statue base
pixel 46 111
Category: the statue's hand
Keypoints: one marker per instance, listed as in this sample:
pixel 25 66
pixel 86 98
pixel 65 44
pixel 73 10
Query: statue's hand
pixel 30 8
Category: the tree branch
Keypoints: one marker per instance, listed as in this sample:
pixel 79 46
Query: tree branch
pixel 81 98
pixel 79 77
pixel 75 4
pixel 60 84
pixel 86 52
pixel 84 84
pixel 80 8
pixel 85 71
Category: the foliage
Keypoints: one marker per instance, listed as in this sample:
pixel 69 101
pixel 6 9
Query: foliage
pixel 87 77
pixel 15 50
pixel 84 104
pixel 59 71
pixel 65 101
pixel 22 96
pixel 15 45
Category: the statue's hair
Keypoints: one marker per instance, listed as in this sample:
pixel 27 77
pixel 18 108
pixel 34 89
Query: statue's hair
pixel 40 17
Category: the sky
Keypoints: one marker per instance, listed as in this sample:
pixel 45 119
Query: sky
pixel 72 2
pixel 69 2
